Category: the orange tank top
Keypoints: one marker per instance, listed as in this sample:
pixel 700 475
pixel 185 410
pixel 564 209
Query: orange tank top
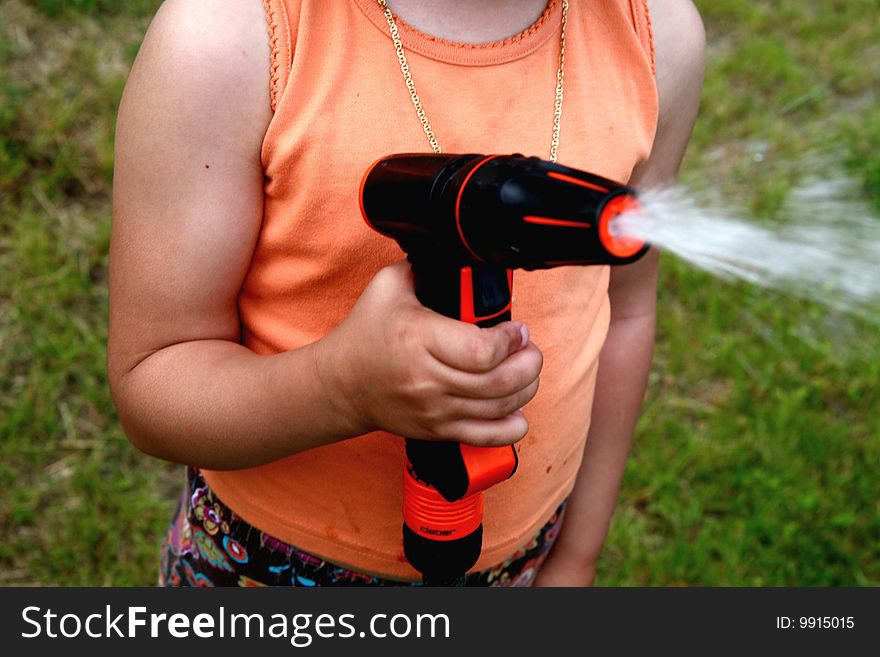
pixel 340 103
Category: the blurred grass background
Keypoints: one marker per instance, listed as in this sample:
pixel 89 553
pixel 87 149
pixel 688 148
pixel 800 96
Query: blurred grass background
pixel 757 457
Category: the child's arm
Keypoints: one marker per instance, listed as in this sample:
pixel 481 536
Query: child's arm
pixel 186 216
pixel 625 361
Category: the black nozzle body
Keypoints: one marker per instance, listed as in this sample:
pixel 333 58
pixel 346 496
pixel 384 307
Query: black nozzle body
pixel 507 210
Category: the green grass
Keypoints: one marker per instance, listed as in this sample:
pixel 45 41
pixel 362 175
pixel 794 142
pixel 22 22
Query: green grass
pixel 756 458
pixel 78 504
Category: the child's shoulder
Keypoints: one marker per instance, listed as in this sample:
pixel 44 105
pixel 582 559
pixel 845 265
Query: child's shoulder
pixel 202 76
pixel 679 37
pixel 205 39
pixel 216 34
pixel 679 42
pixel 680 52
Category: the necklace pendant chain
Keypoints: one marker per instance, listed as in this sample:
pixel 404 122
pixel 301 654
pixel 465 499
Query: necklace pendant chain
pixel 417 104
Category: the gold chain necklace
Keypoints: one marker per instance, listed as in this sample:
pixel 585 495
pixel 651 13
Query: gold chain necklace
pixel 417 104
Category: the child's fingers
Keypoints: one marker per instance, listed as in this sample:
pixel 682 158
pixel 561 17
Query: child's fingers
pixel 493 409
pixel 490 433
pixel 517 372
pixel 470 349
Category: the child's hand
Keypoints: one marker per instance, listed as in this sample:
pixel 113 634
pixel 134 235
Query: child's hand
pixel 397 366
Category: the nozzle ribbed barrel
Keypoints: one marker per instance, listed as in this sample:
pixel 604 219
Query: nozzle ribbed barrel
pixel 429 514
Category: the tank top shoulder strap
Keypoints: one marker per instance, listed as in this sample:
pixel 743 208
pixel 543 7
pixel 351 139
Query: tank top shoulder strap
pixel 641 17
pixel 282 17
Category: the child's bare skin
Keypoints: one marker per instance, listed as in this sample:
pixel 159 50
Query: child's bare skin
pixel 679 44
pixel 187 211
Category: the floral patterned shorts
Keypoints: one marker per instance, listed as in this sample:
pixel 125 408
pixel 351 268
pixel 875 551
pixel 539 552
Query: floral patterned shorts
pixel 208 545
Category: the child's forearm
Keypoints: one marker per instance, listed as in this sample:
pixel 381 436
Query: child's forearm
pixel 620 387
pixel 391 364
pixel 216 404
pixel 622 379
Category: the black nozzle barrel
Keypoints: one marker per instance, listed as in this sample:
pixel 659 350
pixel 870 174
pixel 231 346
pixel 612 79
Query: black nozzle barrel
pixel 507 210
pixel 532 214
pixel 400 193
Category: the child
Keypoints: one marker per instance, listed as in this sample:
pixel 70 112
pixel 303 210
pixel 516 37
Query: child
pixel 261 333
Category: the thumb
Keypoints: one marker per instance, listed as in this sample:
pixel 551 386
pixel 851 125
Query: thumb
pixel 512 336
pixel 505 339
pixel 469 349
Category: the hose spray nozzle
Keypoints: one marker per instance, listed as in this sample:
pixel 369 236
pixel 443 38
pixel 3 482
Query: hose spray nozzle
pixel 465 222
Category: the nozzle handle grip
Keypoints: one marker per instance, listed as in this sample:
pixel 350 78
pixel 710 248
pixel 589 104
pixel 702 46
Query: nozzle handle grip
pixel 480 294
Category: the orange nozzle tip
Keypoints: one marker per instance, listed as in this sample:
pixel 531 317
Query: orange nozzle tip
pixel 618 245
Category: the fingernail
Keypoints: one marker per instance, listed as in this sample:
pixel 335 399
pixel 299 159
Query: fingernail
pixel 524 332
